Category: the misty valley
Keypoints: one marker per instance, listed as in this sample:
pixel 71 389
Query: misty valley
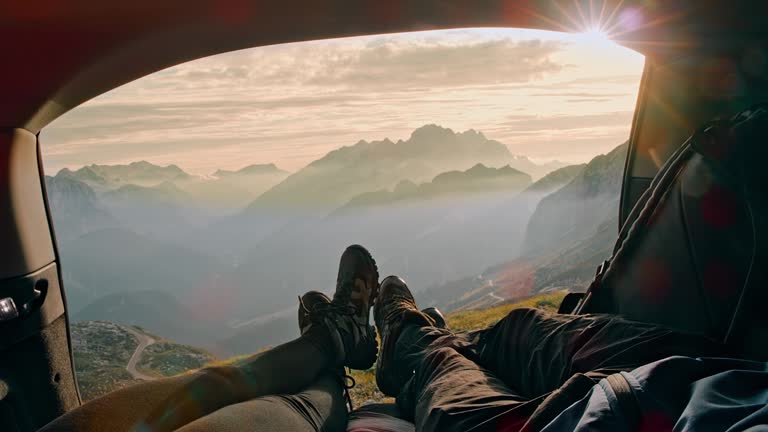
pixel 218 261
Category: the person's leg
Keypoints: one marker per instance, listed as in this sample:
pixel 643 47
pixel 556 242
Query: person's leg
pixel 433 372
pixel 450 391
pixel 334 333
pixel 495 378
pixel 166 404
pixel 535 351
pixel 320 407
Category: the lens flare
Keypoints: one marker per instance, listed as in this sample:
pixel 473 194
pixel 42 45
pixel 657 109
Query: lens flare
pixel 618 21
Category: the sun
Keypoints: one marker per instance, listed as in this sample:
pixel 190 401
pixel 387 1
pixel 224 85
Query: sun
pixel 594 35
pixel 597 33
pixel 597 21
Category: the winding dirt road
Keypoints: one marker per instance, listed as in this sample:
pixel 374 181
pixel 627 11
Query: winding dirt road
pixel 144 342
pixel 496 297
pixel 492 294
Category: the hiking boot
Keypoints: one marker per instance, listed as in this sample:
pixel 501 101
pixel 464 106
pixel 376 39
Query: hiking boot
pixel 346 316
pixel 357 283
pixel 307 304
pixel 395 306
pixel 357 286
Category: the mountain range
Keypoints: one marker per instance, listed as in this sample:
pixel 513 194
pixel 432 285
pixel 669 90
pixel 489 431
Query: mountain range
pixel 476 180
pixel 594 191
pixel 197 259
pixel 572 230
pixel 142 173
pixel 229 191
pixel 377 165
pixel 77 209
pixel 222 192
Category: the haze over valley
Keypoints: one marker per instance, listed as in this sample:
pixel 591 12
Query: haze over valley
pixel 218 260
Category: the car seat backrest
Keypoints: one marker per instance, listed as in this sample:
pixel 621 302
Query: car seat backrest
pixel 692 253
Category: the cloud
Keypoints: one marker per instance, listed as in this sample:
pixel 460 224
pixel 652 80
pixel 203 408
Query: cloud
pixel 623 79
pixel 292 103
pixel 578 94
pixel 373 64
pixel 593 100
pixel 433 65
pixel 528 123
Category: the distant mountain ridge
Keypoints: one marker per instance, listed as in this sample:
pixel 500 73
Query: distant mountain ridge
pixel 77 209
pixel 556 179
pixel 256 169
pixel 140 173
pixel 134 185
pixel 588 199
pixel 476 180
pixel 329 181
pixel 227 189
pixel 482 178
pixel 165 193
pixel 535 170
pixel 366 166
pixel 570 232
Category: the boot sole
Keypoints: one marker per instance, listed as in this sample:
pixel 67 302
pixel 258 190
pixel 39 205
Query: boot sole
pixel 365 359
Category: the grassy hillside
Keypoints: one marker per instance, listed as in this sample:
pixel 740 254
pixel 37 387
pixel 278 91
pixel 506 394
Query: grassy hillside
pixel 465 320
pixel 166 358
pixel 102 350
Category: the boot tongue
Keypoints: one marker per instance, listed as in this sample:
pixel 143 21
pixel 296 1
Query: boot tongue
pixel 308 303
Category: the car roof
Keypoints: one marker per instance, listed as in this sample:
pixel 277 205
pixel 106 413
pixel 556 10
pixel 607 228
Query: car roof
pixel 56 55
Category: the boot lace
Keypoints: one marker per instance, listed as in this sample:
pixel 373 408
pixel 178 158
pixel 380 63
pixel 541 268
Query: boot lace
pixel 348 383
pixel 323 309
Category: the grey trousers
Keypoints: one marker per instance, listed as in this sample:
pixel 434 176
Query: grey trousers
pixel 496 379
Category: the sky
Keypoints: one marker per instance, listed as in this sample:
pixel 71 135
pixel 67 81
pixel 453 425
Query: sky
pixel 549 96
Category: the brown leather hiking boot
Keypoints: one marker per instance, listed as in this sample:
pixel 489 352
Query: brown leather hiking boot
pixel 347 315
pixel 394 307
